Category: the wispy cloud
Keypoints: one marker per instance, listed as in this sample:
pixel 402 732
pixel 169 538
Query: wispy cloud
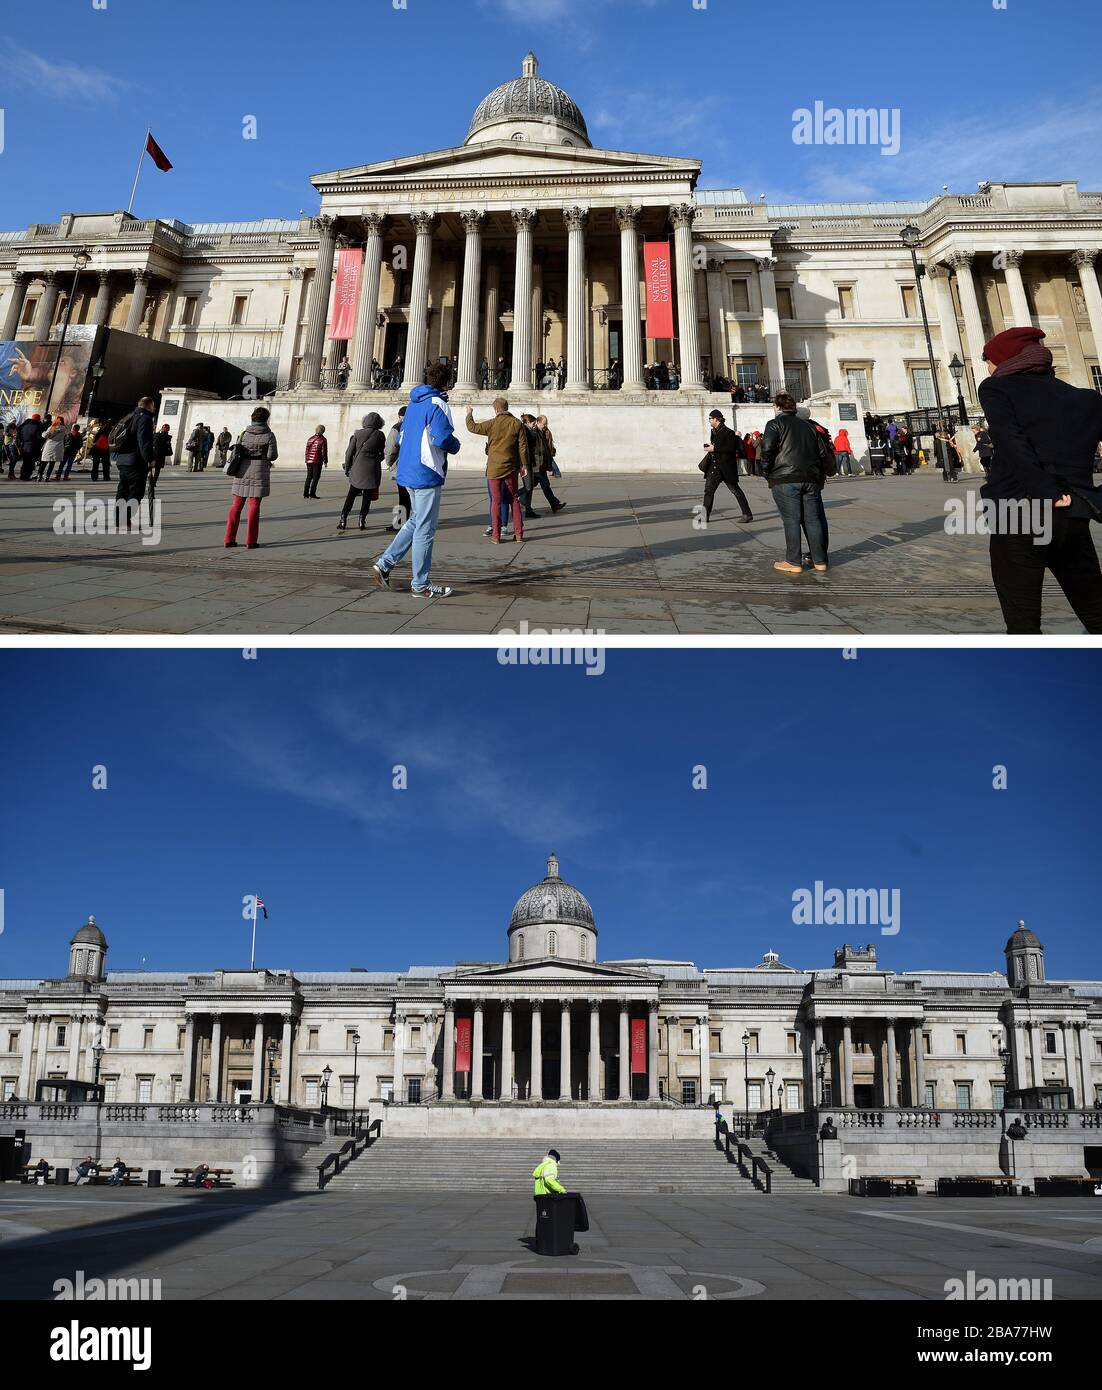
pixel 65 81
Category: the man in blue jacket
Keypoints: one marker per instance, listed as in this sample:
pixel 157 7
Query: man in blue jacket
pixel 427 439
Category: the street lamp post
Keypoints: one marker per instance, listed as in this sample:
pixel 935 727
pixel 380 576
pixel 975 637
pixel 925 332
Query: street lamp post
pixel 822 1055
pixel 1004 1057
pixel 97 1054
pixel 770 1076
pixel 746 1076
pixel 81 260
pixel 911 236
pixel 271 1066
pixel 956 368
pixel 355 1075
pixel 327 1072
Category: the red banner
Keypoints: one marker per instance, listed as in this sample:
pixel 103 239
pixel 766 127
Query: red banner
pixel 656 267
pixel 462 1044
pixel 638 1045
pixel 346 293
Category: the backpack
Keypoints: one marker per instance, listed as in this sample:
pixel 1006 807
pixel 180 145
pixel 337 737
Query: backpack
pixel 123 438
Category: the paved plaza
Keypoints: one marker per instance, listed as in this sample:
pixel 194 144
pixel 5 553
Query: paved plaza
pixel 624 557
pixel 237 1245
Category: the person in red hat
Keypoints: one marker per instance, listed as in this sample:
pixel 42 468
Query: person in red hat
pixel 1045 433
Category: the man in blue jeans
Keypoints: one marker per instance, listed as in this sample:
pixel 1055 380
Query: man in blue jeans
pixel 426 440
pixel 793 455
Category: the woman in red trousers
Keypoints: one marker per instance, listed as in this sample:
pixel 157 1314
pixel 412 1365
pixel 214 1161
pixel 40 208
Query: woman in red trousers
pixel 258 444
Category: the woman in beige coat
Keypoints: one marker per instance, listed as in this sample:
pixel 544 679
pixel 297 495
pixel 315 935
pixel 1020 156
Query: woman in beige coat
pixel 258 444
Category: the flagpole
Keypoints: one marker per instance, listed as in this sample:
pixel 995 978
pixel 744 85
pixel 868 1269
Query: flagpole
pixel 252 957
pixel 138 173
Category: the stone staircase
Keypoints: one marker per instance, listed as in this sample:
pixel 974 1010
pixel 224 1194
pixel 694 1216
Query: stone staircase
pixel 786 1181
pixel 591 1166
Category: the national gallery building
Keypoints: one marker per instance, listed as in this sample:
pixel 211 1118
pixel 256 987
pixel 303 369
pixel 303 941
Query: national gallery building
pixel 525 244
pixel 553 1023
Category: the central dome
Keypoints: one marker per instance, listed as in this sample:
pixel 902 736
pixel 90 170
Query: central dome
pixel 529 108
pixel 552 919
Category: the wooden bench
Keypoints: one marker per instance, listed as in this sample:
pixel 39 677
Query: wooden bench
pixel 130 1178
pixel 31 1172
pixel 885 1185
pixel 215 1177
pixel 977 1185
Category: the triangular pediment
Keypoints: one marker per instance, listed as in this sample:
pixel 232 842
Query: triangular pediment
pixel 498 158
pixel 549 968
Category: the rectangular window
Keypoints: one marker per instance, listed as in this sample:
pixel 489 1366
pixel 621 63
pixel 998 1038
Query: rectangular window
pixel 845 301
pixel 1050 1044
pixel 349 1039
pixel 311 1092
pixel 1096 376
pixel 311 1040
pixel 187 311
pixel 147 1039
pixel 910 301
pixel 962 1043
pixel 181 1038
pixel 792 1095
pixel 964 1095
pixel 415 1037
pixel 413 1090
pixel 112 1037
pixel 59 1040
pixel 686 1040
pixel 716 1041
pixel 998 1095
pixel 791 1042
pixel 746 373
pixel 929 1095
pixel 8 1085
pixel 176 1089
pixel 795 380
pixel 740 296
pixel 754 1042
pixel 688 1092
pixel 145 1090
pixel 926 1044
pixel 240 306
pixel 13 1042
pixel 346 1091
pixel 857 384
pixel 110 1089
pixel 388 1039
pixel 784 302
pixel 754 1095
pixel 30 310
pixel 922 388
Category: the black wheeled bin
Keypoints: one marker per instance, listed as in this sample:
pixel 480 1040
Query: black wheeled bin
pixel 555 1215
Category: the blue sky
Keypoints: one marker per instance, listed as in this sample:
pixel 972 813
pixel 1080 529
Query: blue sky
pixel 983 93
pixel 227 776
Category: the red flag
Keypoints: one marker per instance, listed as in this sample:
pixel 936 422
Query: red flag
pixel 158 155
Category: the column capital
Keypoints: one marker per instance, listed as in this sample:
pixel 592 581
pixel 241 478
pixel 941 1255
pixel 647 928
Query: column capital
pixel 20 277
pixel 535 1004
pixel 523 218
pixel 472 219
pixel 372 222
pixel 653 1005
pixel 627 216
pixel 142 276
pixel 1083 257
pixel 1012 258
pixel 296 272
pixel 594 1005
pixel 449 1006
pixel 566 1002
pixel 104 276
pixel 682 214
pixel 423 222
pixel 714 264
pixel 961 261
pixel 477 1003
pixel 766 263
pixel 189 1017
pixel 575 218
pixel 323 224
pixel 507 1005
pixel 48 277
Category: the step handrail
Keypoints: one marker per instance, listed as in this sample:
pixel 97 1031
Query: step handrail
pixel 360 1141
pixel 724 1141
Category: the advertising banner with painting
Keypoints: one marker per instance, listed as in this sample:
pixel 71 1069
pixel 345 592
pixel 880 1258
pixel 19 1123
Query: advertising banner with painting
pixel 25 373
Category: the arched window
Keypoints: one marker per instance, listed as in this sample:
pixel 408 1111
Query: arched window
pixel 518 135
pixel 552 943
pixel 520 946
pixel 78 963
pixel 569 142
pixel 585 947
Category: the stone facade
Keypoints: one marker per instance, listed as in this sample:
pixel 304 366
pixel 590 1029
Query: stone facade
pixel 523 244
pixel 553 1023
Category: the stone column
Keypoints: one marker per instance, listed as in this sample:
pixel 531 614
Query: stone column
pixel 1088 278
pixel 467 376
pixel 41 1061
pixel 717 322
pixel 961 261
pixel 536 1086
pixel 893 1087
pixel 398 1059
pixel 947 317
pixel 537 307
pixel 447 1081
pixel 314 346
pixel 628 218
pixel 687 327
pixel 1019 304
pixel 214 1081
pixel 625 1052
pixel 46 306
pixel 367 311
pixel 771 324
pixel 288 341
pixel 477 1044
pixel 491 314
pixel 137 302
pixel 847 1063
pixel 652 1049
pixel 76 1029
pixel 258 1059
pixel 1018 1049
pixel 187 1080
pixel 815 1063
pixel 705 1045
pixel 1036 1054
pixel 523 221
pixel 920 1067
pixel 577 378
pixel 564 1052
pixel 417 340
pixel 286 1060
pixel 15 306
pixel 26 1042
pixel 507 1050
pixel 594 1051
pixel 1083 1036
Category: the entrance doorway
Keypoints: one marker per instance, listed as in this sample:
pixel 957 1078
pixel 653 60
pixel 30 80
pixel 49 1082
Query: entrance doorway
pixel 394 343
pixel 864 1097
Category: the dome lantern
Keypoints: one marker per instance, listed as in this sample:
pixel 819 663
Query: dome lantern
pixel 552 919
pixel 529 108
pixel 87 951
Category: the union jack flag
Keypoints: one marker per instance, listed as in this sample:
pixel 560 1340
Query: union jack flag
pixel 260 906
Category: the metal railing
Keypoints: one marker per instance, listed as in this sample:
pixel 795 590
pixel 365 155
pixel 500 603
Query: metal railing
pixel 350 1150
pixel 750 1164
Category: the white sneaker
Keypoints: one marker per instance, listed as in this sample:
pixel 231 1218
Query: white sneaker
pixel 432 591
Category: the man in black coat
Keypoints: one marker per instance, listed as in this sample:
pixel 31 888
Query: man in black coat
pixel 794 454
pixel 1045 433
pixel 133 454
pixel 724 452
pixel 30 446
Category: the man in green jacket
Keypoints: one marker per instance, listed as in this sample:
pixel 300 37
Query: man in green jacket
pixel 547 1175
